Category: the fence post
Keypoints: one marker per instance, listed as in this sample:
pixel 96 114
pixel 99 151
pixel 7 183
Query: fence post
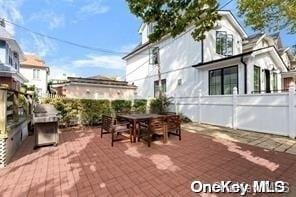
pixel 3 106
pixel 199 106
pixel 292 111
pixel 234 110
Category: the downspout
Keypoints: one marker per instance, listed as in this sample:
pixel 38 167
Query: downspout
pixel 245 74
pixel 202 51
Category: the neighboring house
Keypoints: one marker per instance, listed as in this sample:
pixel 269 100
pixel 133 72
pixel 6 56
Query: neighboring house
pixel 10 57
pixel 97 87
pixel 35 70
pixel 227 58
pixel 262 40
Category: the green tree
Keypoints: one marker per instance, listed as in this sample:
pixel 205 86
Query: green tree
pixel 171 17
pixel 269 15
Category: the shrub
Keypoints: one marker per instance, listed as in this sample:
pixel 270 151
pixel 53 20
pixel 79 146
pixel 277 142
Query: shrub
pixel 121 106
pixel 69 109
pixel 140 105
pixel 92 111
pixel 160 105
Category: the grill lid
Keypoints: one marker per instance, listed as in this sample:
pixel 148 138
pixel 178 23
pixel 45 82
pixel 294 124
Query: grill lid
pixel 45 109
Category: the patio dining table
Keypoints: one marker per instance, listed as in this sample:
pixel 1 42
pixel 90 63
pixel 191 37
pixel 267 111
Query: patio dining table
pixel 137 118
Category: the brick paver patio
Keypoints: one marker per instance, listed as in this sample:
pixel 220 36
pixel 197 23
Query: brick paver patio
pixel 263 140
pixel 85 165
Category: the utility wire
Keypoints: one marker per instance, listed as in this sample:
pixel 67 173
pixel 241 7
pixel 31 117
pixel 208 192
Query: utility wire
pixel 65 41
pixel 97 49
pixel 226 4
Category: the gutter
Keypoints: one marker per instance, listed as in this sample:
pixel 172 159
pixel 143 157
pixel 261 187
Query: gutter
pixel 202 51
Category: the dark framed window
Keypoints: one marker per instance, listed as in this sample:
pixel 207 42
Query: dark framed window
pixel 156 87
pixel 2 43
pixel 275 82
pixel 223 80
pixel 154 56
pixel 215 86
pixel 224 43
pixel 257 79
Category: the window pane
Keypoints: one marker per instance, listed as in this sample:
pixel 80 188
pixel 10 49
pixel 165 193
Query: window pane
pixel 215 82
pixel 156 87
pixel 257 79
pixel 229 45
pixel 275 81
pixel 221 40
pixel 230 79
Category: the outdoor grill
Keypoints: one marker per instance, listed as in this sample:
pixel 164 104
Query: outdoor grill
pixel 45 125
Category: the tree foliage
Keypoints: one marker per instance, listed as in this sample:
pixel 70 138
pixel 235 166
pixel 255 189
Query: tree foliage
pixel 270 15
pixel 171 17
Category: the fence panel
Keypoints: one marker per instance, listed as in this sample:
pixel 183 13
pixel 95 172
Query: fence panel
pixel 269 113
pixel 216 110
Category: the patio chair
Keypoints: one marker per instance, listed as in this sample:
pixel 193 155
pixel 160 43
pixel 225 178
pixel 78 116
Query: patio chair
pixel 174 125
pixel 110 126
pixel 155 126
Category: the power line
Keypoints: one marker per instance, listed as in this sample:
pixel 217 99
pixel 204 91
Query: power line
pixel 97 49
pixel 226 4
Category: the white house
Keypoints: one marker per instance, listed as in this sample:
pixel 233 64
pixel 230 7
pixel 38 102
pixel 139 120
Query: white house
pixel 35 70
pixel 227 58
pixel 10 57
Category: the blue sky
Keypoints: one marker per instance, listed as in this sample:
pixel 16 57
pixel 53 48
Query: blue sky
pixel 98 23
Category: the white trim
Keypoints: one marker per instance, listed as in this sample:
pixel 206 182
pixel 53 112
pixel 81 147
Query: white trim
pixel 235 22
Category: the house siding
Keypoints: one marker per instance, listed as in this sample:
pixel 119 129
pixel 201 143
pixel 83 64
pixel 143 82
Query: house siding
pixel 177 55
pixel 40 83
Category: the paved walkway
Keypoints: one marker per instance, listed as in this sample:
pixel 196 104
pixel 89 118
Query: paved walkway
pixel 270 142
pixel 85 165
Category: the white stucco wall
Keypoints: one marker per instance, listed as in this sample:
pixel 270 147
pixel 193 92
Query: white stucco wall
pixel 83 91
pixel 40 83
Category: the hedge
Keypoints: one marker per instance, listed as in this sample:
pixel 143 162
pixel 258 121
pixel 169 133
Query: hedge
pixel 92 111
pixel 76 111
pixel 89 112
pixel 140 105
pixel 121 106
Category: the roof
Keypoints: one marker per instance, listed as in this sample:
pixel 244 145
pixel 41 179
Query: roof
pixel 138 48
pixel 33 61
pixel 100 77
pixel 250 42
pixel 241 55
pixel 223 59
pixel 6 36
pixel 99 81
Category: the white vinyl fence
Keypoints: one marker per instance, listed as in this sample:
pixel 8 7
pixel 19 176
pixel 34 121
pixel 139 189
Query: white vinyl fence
pixel 267 113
